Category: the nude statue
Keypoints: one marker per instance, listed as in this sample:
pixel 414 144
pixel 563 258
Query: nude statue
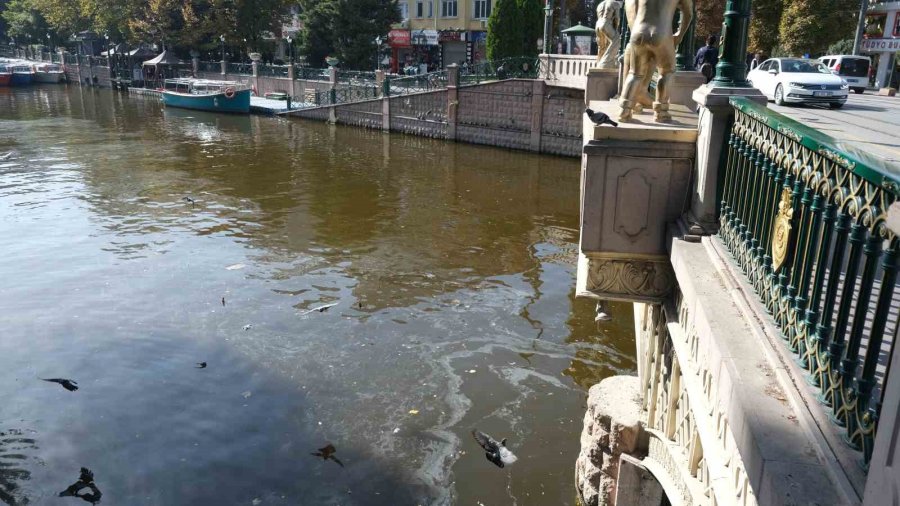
pixel 608 25
pixel 652 44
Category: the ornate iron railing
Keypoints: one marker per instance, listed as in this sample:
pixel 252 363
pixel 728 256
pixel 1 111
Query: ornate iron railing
pixel 356 77
pixel 522 67
pixel 804 217
pixel 273 70
pixel 394 86
pixel 336 96
pixel 210 66
pixel 71 59
pixel 311 74
pixel 244 69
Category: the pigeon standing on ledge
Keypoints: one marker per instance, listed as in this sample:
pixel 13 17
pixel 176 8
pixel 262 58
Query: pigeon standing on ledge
pixel 495 451
pixel 599 118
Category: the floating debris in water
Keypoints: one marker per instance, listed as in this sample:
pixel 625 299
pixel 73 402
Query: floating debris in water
pixel 189 200
pixel 223 301
pixel 602 315
pixel 414 411
pixel 85 480
pixel 472 371
pixel 201 365
pixel 248 326
pixel 235 267
pixel 320 309
pixel 247 394
pixel 327 453
pixel 70 385
pixel 256 502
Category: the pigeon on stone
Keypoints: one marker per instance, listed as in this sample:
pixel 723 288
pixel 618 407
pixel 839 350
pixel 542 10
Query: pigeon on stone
pixel 599 118
pixel 494 451
pixel 68 384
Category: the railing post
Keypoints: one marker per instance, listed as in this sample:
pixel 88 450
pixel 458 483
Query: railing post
pixel 379 81
pixel 731 71
pixel 224 67
pixel 290 71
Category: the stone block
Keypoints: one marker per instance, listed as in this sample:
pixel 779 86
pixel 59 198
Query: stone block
pixel 681 89
pixel 602 85
pixel 887 92
pixel 612 428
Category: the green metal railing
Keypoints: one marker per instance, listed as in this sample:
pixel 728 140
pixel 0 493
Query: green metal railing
pixel 394 86
pixel 336 96
pixel 273 70
pixel 804 218
pixel 509 68
pixel 311 74
pixel 355 77
pixel 210 66
pixel 245 69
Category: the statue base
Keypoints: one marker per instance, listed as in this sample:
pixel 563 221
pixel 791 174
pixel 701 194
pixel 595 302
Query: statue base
pixel 602 84
pixel 682 87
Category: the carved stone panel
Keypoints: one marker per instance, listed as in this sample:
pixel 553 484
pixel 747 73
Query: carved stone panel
pixel 625 277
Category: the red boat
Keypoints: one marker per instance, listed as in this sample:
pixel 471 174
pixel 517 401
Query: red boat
pixel 5 75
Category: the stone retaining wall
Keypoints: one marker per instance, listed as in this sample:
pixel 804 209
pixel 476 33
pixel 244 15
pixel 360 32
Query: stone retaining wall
pixel 521 114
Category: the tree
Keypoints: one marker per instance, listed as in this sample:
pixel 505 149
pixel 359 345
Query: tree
pixel 532 25
pixel 23 20
pixel 345 29
pixel 765 17
pixel 810 26
pixel 504 38
pixel 710 15
pixel 841 47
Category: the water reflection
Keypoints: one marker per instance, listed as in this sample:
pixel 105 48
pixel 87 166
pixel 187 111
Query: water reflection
pixel 163 239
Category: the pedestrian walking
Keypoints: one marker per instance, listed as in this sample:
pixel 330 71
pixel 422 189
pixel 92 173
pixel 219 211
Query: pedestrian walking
pixel 757 60
pixel 707 58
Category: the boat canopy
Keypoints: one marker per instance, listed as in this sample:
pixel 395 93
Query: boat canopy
pixel 164 58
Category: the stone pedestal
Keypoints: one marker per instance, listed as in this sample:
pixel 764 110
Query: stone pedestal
pixel 612 428
pixel 602 84
pixel 635 179
pixel 681 89
pixel 715 116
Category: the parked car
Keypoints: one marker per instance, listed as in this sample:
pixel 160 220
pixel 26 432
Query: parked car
pixel 854 69
pixel 799 81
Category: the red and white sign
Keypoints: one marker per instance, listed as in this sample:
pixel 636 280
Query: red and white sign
pixel 878 45
pixel 399 38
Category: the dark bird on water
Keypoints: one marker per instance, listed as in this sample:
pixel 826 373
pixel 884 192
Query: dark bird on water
pixel 68 384
pixel 495 451
pixel 223 301
pixel 85 481
pixel 201 365
pixel 188 199
pixel 327 453
pixel 599 118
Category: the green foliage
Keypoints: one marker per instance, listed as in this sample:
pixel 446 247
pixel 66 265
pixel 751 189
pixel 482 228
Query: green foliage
pixel 23 21
pixel 345 29
pixel 765 17
pixel 532 25
pixel 841 47
pixel 710 14
pixel 505 30
pixel 810 26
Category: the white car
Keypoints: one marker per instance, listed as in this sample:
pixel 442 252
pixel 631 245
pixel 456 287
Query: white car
pixel 799 81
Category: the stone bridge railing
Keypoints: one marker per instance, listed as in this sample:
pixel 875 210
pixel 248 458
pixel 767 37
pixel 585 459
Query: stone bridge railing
pixel 569 71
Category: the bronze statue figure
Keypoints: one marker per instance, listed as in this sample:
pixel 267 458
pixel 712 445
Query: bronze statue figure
pixel 608 28
pixel 652 44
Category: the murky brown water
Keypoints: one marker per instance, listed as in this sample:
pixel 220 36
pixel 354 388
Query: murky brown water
pixel 452 270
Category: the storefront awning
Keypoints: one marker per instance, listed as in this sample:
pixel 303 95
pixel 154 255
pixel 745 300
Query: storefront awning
pixel 579 29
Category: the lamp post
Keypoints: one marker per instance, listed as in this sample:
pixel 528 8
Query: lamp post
pixel 290 41
pixel 731 70
pixel 548 25
pixel 222 40
pixel 684 59
pixel 50 46
pixel 378 42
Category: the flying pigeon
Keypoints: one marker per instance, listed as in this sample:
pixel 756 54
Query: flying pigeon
pixel 327 453
pixel 68 384
pixel 494 451
pixel 599 118
pixel 201 365
pixel 85 480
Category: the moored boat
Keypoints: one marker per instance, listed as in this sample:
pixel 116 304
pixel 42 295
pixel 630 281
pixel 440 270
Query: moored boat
pixel 48 73
pixel 22 74
pixel 207 95
pixel 5 75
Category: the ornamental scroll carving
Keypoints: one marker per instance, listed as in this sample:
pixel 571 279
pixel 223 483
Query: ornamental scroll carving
pixel 634 279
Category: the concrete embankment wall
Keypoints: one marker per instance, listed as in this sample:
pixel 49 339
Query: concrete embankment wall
pixel 516 113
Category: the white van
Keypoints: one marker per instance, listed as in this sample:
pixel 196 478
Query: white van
pixel 854 69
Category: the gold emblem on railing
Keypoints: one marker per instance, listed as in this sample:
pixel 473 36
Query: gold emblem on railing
pixel 781 233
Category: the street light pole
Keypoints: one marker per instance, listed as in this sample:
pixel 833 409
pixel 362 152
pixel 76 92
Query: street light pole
pixel 548 25
pixel 731 70
pixel 860 25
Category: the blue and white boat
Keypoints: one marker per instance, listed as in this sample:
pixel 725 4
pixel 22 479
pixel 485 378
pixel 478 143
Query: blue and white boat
pixel 22 74
pixel 207 95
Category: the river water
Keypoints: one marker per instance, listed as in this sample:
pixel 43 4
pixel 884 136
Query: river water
pixel 450 267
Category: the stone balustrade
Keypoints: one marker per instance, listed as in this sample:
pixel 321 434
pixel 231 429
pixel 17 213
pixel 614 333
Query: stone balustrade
pixel 569 71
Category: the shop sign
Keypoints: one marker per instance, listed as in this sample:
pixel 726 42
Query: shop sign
pixel 477 37
pixel 399 38
pixel 425 37
pixel 452 36
pixel 876 45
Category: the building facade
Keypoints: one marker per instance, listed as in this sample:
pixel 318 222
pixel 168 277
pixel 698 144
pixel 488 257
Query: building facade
pixel 882 42
pixel 439 33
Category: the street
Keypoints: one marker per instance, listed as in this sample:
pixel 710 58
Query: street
pixel 869 121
